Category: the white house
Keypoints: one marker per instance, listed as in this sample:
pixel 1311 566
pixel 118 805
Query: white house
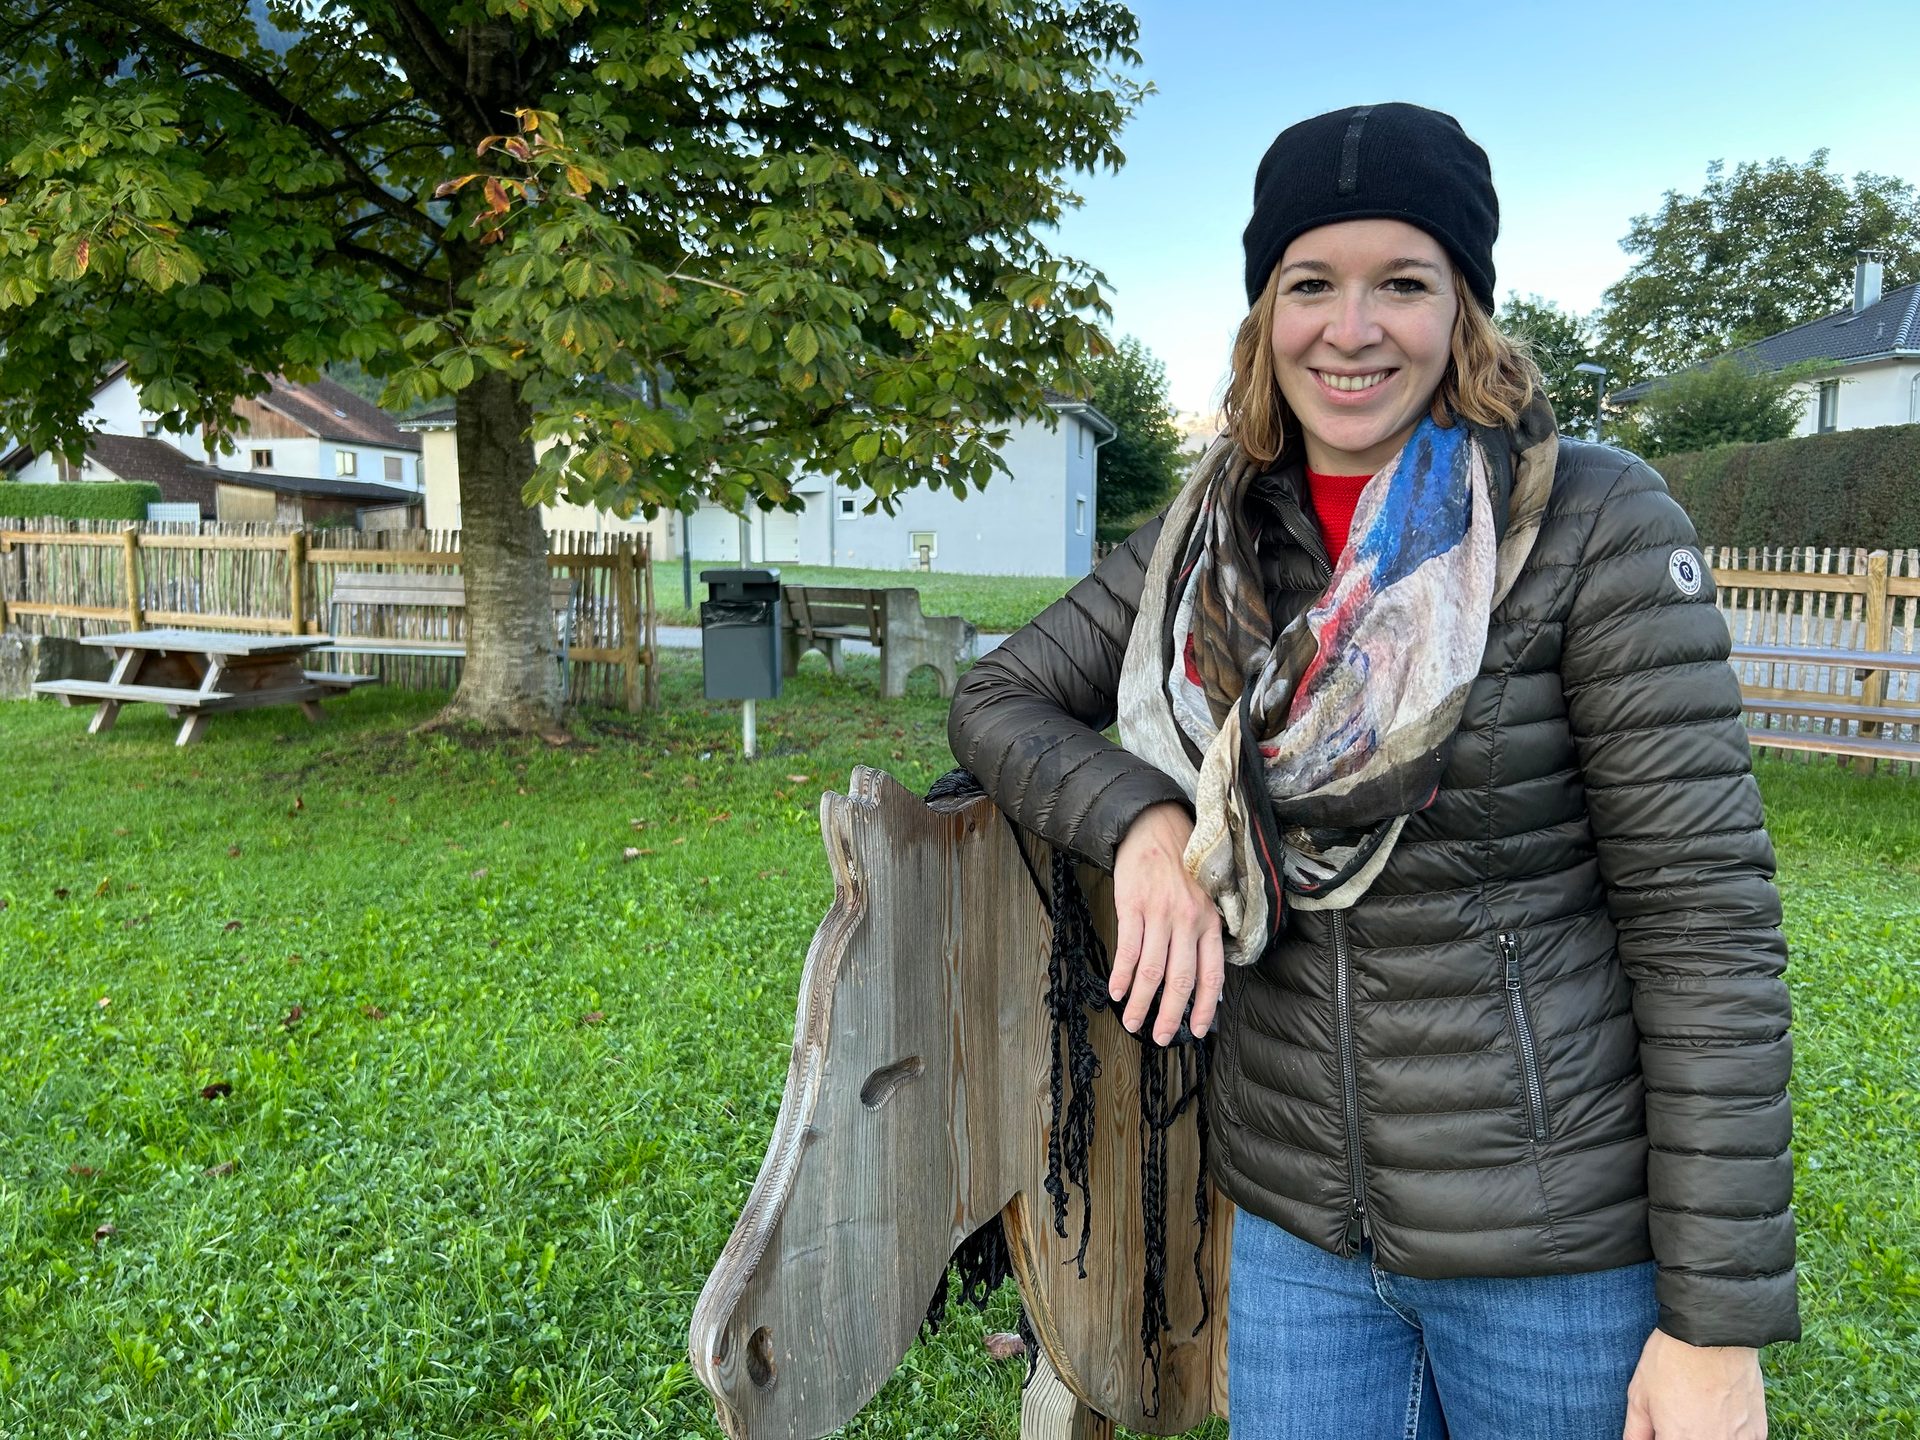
pixel 1868 357
pixel 295 432
pixel 1036 520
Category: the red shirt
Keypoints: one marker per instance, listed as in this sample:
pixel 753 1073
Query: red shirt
pixel 1333 498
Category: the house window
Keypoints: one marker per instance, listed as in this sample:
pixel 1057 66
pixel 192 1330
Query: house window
pixel 848 505
pixel 150 428
pixel 1829 406
pixel 1080 439
pixel 1079 514
pixel 345 462
pixel 922 547
pixel 263 459
pixel 393 468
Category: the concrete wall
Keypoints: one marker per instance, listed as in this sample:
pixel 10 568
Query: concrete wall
pixel 1882 393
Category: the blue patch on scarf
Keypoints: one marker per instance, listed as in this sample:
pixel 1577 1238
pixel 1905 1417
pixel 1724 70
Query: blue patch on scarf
pixel 1427 507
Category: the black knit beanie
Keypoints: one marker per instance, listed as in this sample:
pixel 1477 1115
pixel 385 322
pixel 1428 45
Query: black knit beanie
pixel 1374 162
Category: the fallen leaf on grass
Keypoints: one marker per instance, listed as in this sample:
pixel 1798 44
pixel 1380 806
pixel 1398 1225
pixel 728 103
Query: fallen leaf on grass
pixel 102 888
pixel 60 892
pixel 120 830
pixel 479 874
pixel 218 1090
pixel 373 1012
pixel 233 852
pixel 592 1017
pixel 769 874
pixel 231 926
pixel 631 853
pixel 134 920
pixel 638 824
pixel 679 839
pixel 799 779
pixel 104 1001
pixel 294 959
pixel 104 1232
pixel 225 1167
pixel 716 819
pixel 689 780
pixel 292 1018
pixel 83 1171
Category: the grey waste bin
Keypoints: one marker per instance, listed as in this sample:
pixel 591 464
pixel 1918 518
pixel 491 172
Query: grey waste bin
pixel 740 634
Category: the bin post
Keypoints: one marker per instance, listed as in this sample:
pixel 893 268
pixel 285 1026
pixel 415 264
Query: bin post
pixel 740 643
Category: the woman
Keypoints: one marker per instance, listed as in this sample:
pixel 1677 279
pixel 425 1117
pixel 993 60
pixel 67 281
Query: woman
pixel 1436 799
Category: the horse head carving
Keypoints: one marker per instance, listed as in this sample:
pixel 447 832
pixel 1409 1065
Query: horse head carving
pixel 916 1110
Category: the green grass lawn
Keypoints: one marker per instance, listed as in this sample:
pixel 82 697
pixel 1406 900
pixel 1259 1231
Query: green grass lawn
pixel 504 1030
pixel 994 603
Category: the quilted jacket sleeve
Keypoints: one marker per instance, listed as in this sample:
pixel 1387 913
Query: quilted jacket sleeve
pixel 1684 853
pixel 1026 720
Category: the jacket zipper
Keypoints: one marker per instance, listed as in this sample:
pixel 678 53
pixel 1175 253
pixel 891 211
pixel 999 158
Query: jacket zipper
pixel 1523 1036
pixel 1314 552
pixel 1350 1084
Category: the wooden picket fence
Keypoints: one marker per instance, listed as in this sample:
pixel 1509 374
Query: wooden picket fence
pixel 1829 598
pixel 76 577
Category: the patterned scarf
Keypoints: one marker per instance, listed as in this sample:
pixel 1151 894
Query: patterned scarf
pixel 1304 752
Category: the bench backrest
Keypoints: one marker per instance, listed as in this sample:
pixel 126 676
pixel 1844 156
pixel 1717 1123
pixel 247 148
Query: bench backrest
pixel 812 609
pixel 443 591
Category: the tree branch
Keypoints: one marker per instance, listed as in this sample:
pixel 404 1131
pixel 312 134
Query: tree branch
pixel 260 89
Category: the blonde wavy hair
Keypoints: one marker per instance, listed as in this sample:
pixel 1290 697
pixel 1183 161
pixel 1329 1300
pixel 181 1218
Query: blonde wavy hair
pixel 1489 379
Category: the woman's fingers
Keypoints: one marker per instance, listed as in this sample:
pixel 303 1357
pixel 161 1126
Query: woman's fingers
pixel 1181 964
pixel 1128 928
pixel 1210 979
pixel 1150 972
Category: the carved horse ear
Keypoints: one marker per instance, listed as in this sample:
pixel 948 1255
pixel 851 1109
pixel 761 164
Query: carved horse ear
pixel 915 1111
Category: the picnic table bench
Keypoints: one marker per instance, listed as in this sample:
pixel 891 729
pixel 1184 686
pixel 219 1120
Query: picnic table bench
pixel 824 617
pixel 1873 717
pixel 443 596
pixel 196 674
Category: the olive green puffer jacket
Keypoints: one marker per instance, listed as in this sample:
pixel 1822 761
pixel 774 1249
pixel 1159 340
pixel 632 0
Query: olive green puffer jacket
pixel 1554 1035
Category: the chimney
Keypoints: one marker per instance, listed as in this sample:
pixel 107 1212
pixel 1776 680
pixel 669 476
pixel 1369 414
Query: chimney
pixel 1869 268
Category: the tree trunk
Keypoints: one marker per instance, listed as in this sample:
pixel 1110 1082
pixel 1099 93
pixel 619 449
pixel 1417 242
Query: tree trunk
pixel 511 681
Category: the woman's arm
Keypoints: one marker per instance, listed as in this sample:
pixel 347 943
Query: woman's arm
pixel 1026 720
pixel 1683 850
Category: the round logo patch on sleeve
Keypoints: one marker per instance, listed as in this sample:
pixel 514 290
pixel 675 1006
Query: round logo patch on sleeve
pixel 1684 566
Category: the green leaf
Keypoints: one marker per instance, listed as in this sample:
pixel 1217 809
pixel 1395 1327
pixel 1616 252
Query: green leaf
pixel 803 343
pixel 456 370
pixel 867 447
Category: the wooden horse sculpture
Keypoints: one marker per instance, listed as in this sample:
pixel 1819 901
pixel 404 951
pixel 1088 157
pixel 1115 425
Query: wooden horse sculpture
pixel 917 1109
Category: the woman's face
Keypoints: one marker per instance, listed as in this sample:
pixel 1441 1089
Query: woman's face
pixel 1362 325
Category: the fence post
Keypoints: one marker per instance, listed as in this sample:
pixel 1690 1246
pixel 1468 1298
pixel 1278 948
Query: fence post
pixel 652 622
pixel 624 598
pixel 1879 629
pixel 297 580
pixel 130 539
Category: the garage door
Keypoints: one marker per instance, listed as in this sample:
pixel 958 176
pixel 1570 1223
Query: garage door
pixel 780 536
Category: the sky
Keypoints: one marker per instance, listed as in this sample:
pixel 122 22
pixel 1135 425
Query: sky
pixel 1589 113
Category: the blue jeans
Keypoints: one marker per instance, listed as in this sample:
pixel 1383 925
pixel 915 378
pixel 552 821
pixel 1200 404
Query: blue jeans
pixel 1320 1348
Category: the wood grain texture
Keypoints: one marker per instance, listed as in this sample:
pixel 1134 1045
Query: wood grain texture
pixel 915 1111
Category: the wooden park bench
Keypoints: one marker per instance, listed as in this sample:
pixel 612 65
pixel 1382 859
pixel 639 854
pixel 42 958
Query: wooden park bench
pixel 823 617
pixel 435 603
pixel 1876 721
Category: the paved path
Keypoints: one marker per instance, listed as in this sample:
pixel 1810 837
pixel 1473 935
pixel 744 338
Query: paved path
pixel 687 637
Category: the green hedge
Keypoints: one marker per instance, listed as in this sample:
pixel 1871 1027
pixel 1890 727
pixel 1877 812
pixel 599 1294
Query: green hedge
pixel 1852 487
pixel 81 500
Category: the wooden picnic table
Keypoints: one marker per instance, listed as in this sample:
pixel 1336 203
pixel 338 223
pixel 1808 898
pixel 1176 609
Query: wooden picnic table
pixel 197 674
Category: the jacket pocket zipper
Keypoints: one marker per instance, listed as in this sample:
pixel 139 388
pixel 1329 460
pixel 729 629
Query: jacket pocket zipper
pixel 1523 1037
pixel 1349 1086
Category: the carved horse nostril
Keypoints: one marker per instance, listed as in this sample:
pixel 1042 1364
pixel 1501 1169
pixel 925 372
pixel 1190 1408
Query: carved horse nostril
pixel 760 1358
pixel 888 1078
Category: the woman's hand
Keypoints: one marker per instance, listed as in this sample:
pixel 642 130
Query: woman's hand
pixel 1168 928
pixel 1696 1392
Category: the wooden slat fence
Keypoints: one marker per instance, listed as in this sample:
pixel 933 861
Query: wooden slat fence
pixel 1830 597
pixel 80 577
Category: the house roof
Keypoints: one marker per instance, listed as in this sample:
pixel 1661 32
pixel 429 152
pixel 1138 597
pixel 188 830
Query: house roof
pixel 335 413
pixel 140 458
pixel 1889 327
pixel 438 418
pixel 1067 405
pixel 363 491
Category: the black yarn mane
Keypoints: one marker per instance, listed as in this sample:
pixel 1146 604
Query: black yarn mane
pixel 1076 986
